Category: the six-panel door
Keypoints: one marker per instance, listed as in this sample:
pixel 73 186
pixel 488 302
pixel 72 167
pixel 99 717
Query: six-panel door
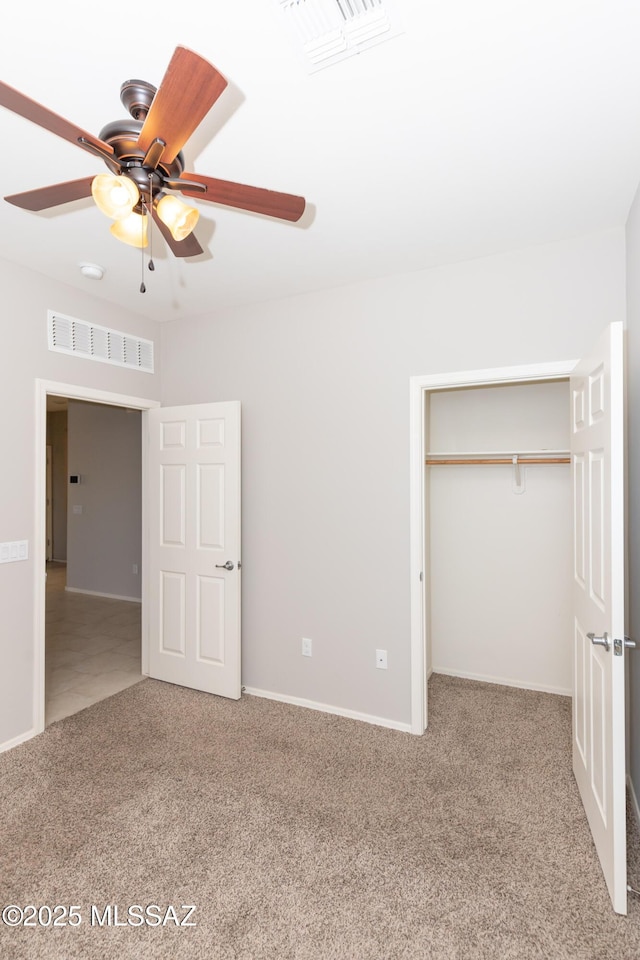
pixel 597 431
pixel 194 553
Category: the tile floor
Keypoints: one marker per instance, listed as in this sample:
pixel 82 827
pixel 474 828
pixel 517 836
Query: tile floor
pixel 92 647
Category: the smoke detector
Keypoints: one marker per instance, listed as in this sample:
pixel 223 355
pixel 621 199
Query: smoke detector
pixel 91 270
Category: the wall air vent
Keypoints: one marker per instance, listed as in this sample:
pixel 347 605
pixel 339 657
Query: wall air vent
pixel 82 339
pixel 331 30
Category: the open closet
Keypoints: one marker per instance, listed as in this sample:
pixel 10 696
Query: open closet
pixel 498 538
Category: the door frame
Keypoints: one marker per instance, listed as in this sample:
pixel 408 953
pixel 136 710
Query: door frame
pixel 419 386
pixel 71 391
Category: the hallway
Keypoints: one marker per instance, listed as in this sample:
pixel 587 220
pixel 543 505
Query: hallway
pixel 93 647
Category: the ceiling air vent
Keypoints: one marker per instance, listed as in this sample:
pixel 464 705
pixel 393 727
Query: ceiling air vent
pixel 82 339
pixel 331 30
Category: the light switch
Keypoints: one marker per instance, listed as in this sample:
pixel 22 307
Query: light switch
pixel 77 508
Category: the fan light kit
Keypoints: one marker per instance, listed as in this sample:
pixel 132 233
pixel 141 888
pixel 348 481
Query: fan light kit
pixel 118 196
pixel 144 157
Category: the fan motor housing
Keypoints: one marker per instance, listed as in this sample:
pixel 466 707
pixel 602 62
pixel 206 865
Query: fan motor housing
pixel 137 96
pixel 123 135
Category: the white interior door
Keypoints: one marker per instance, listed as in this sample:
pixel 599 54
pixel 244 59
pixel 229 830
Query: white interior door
pixel 194 546
pixel 597 448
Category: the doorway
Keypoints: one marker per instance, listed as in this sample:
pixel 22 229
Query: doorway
pixel 92 623
pixel 421 388
pixel 499 513
pixel 92 646
pixel 597 431
pixel 72 392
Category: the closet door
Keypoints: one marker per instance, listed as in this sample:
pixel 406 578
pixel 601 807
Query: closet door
pixel 597 452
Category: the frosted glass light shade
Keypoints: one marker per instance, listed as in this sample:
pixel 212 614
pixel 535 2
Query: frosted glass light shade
pixel 132 230
pixel 114 196
pixel 177 216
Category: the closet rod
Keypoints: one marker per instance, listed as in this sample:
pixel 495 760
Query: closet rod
pixel 520 461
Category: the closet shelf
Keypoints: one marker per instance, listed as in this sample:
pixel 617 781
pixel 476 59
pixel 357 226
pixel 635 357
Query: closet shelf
pixel 523 457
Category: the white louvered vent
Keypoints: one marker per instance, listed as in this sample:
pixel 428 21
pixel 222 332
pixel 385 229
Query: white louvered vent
pixel 331 30
pixel 82 339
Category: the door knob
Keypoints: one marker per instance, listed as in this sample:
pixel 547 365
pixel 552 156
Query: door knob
pixel 618 645
pixel 600 641
pixel 225 566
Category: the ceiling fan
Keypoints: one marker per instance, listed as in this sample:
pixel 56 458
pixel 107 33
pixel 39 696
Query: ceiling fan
pixel 143 155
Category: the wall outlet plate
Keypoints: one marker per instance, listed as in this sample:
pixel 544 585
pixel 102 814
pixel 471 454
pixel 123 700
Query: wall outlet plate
pixel 381 659
pixel 306 647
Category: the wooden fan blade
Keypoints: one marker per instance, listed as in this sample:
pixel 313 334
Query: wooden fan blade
pixel 285 206
pixel 188 90
pixel 53 196
pixel 25 107
pixel 189 247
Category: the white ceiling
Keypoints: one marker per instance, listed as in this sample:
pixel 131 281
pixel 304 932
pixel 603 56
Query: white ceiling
pixel 487 125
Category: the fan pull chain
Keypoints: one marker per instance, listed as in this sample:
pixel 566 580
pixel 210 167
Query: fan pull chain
pixel 150 230
pixel 143 289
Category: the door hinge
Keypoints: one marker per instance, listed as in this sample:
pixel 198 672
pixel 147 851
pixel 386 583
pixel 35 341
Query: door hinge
pixel 619 644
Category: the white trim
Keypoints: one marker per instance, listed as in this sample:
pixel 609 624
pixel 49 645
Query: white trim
pixel 634 800
pixel 326 708
pixel 417 387
pixel 465 378
pixel 73 392
pixel 145 583
pixel 419 718
pixel 21 738
pixel 504 681
pixel 109 596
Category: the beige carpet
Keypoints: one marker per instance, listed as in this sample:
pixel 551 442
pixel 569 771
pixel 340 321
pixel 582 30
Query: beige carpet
pixel 301 835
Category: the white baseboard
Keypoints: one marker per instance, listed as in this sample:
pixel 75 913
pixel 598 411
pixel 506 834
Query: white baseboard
pixel 10 744
pixel 326 708
pixel 634 800
pixel 109 596
pixel 504 681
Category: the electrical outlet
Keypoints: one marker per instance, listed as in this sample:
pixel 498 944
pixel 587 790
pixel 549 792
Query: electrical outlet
pixel 381 659
pixel 135 568
pixel 306 647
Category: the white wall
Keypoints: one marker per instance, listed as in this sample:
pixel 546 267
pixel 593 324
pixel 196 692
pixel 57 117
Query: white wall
pixel 24 357
pixel 105 539
pixel 499 567
pixel 324 384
